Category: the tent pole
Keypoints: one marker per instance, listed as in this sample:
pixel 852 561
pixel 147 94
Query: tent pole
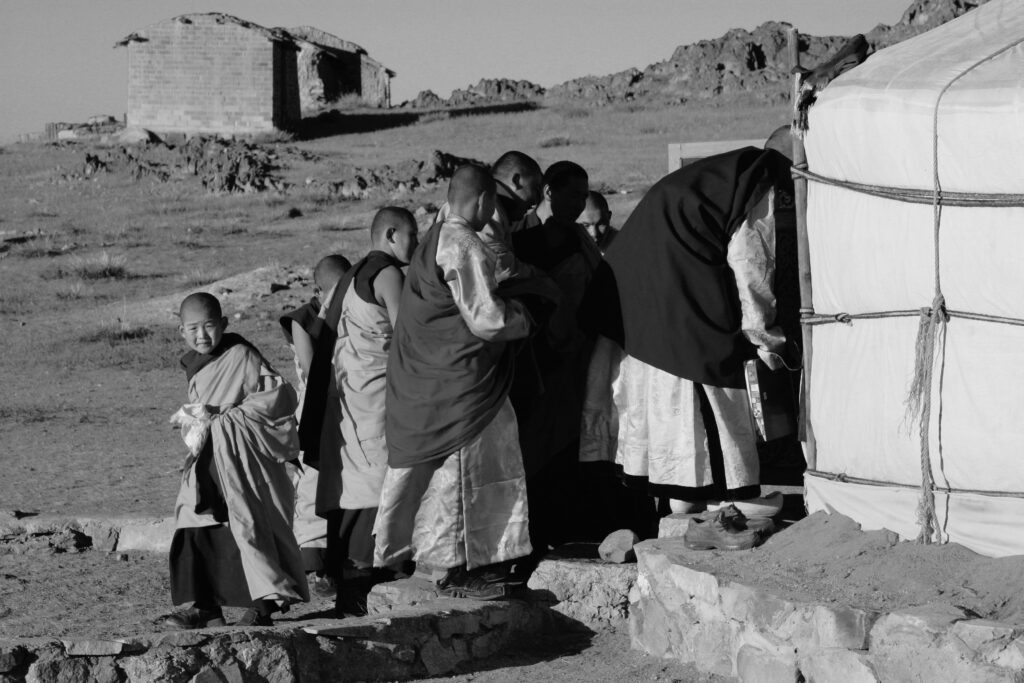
pixel 803 257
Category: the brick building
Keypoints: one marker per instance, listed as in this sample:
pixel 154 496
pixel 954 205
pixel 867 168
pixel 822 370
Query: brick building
pixel 215 73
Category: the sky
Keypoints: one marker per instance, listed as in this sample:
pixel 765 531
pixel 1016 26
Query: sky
pixel 58 63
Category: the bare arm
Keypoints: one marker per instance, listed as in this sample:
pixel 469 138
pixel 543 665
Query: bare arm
pixel 387 289
pixel 303 344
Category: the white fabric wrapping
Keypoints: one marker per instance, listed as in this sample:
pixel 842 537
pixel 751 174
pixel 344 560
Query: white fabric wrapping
pixel 874 125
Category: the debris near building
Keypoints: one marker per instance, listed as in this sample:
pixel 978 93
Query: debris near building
pixel 94 128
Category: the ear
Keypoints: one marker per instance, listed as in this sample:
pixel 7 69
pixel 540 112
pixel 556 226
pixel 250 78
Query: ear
pixel 517 181
pixel 224 323
pixel 547 192
pixel 390 235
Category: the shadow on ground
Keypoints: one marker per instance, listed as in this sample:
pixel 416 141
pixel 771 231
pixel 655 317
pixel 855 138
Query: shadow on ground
pixel 338 123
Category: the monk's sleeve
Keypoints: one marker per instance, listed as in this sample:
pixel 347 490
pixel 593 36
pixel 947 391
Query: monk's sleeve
pixel 469 271
pixel 264 421
pixel 751 255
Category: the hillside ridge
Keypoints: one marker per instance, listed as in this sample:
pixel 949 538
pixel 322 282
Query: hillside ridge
pixel 740 62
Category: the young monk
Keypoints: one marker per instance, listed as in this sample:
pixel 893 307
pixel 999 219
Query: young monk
pixel 596 220
pixel 549 421
pixel 518 180
pixel 301 327
pixel 233 545
pixel 454 496
pixel 365 305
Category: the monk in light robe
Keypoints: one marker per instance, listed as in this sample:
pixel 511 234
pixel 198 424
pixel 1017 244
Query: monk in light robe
pixel 685 297
pixel 518 180
pixel 454 496
pixel 365 305
pixel 301 327
pixel 233 543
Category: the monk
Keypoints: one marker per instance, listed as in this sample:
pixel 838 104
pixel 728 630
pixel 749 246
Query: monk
pixel 518 180
pixel 549 420
pixel 301 327
pixel 233 544
pixel 454 495
pixel 685 297
pixel 365 306
pixel 596 219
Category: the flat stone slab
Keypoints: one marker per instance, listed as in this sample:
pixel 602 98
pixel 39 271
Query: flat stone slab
pixel 107 533
pixel 731 629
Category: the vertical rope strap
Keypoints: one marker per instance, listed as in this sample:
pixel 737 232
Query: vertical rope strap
pixel 933 322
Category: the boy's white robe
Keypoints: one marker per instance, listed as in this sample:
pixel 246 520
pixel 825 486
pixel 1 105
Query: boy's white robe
pixel 253 435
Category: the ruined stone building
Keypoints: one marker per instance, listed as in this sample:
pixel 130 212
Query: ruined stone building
pixel 331 68
pixel 215 73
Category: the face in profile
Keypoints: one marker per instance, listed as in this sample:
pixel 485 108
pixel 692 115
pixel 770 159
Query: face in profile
pixel 529 190
pixel 201 331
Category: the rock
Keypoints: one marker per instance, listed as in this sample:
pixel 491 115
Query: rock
pixel 617 547
pixel 754 665
pixel 588 592
pixel 437 657
pixel 134 136
pixel 146 534
pixel 98 648
pixel 402 593
pixel 838 664
pixel 675 525
pixel 278 287
pixel 50 669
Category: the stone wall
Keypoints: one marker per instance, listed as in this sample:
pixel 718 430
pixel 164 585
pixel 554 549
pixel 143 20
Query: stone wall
pixel 731 629
pixel 205 73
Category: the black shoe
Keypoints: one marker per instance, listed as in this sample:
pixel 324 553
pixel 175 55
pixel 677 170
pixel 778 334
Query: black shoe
pixel 192 618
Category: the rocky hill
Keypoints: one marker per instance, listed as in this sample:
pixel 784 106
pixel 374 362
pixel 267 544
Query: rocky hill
pixel 741 62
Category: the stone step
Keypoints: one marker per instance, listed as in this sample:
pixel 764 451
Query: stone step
pixel 731 629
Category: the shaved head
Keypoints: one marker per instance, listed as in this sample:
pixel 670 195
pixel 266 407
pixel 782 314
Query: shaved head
pixel 329 270
pixel 468 183
pixel 390 218
pixel 471 195
pixel 510 163
pixel 561 173
pixel 597 202
pixel 781 140
pixel 200 304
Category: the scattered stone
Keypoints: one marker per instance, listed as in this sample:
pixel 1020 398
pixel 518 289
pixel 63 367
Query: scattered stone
pixel 617 547
pixel 294 212
pixel 276 287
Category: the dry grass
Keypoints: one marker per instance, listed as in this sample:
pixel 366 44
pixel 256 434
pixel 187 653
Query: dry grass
pixel 99 266
pixel 197 277
pixel 555 141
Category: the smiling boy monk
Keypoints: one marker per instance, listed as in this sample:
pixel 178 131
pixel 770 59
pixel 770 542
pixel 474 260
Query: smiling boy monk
pixel 234 508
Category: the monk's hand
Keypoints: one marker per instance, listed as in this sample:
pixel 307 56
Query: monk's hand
pixel 773 360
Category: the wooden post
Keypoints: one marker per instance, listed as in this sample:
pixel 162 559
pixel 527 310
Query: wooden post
pixel 803 259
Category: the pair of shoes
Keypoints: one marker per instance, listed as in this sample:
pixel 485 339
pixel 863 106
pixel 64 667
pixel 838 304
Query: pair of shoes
pixel 765 506
pixel 482 583
pixel 723 530
pixel 191 618
pixel 253 617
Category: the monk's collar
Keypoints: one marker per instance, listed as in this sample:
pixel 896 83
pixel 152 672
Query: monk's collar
pixel 456 219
